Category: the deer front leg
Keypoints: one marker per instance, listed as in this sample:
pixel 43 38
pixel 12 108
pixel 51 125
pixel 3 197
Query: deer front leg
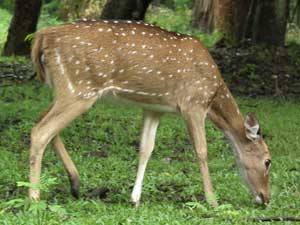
pixel 196 128
pixel 60 115
pixel 69 165
pixel 150 124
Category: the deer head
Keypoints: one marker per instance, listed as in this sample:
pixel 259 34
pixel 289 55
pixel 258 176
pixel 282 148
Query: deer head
pixel 254 159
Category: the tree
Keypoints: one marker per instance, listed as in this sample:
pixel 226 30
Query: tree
pixel 24 22
pixel 260 21
pixel 202 15
pixel 295 12
pixel 125 9
pixel 69 8
pixel 210 15
pixel 113 9
pixel 80 8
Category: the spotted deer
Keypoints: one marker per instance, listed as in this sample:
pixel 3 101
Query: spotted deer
pixel 136 63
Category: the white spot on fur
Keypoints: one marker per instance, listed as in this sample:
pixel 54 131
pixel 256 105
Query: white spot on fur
pixel 62 70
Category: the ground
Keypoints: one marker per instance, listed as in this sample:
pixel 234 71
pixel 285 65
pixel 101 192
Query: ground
pixel 259 70
pixel 103 144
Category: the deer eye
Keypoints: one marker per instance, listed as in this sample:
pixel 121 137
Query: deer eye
pixel 268 163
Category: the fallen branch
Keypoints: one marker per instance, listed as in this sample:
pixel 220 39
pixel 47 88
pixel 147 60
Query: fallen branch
pixel 276 219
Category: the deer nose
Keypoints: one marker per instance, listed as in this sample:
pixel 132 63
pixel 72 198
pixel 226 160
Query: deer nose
pixel 262 198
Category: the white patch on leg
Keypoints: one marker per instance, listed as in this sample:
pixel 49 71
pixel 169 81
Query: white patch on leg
pixel 136 193
pixel 147 145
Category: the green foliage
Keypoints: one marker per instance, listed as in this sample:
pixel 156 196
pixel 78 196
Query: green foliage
pixel 294 50
pixel 7 4
pixel 48 19
pixel 293 34
pixel 44 185
pixel 172 186
pixel 250 70
pixel 14 59
pixel 169 19
pixel 5 17
pixel 29 37
pixel 179 21
pixel 41 211
pixel 52 7
pixel 183 4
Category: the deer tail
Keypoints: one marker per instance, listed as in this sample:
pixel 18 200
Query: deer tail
pixel 37 56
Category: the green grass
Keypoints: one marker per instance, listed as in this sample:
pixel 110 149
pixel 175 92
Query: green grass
pixel 172 186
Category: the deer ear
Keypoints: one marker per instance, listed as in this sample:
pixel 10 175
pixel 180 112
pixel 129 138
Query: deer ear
pixel 252 127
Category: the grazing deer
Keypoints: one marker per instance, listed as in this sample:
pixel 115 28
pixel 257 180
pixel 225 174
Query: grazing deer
pixel 140 64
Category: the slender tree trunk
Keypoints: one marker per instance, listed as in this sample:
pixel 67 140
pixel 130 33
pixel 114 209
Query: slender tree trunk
pixel 24 22
pixel 125 9
pixel 223 15
pixel 282 15
pixel 210 15
pixel 202 16
pixel 243 15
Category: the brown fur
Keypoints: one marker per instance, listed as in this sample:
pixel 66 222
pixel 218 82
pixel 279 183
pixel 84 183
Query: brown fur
pixel 150 67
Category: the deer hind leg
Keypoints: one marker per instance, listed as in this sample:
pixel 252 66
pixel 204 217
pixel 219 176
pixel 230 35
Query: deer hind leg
pixel 150 124
pixel 196 128
pixel 61 151
pixel 69 165
pixel 58 117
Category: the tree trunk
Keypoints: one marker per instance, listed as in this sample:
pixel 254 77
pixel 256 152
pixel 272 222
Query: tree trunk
pixel 261 21
pixel 269 25
pixel 69 9
pixel 75 9
pixel 125 9
pixel 202 16
pixel 24 22
pixel 223 11
pixel 243 16
pixel 210 15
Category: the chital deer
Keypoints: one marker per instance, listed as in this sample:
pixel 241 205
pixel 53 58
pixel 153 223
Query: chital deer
pixel 137 63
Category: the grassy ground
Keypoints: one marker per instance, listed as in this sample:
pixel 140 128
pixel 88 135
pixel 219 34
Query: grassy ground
pixel 103 144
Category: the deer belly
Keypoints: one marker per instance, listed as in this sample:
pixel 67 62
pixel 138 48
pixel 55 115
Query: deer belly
pixel 145 103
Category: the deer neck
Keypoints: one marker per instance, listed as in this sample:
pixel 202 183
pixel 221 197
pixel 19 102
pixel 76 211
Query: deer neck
pixel 225 114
